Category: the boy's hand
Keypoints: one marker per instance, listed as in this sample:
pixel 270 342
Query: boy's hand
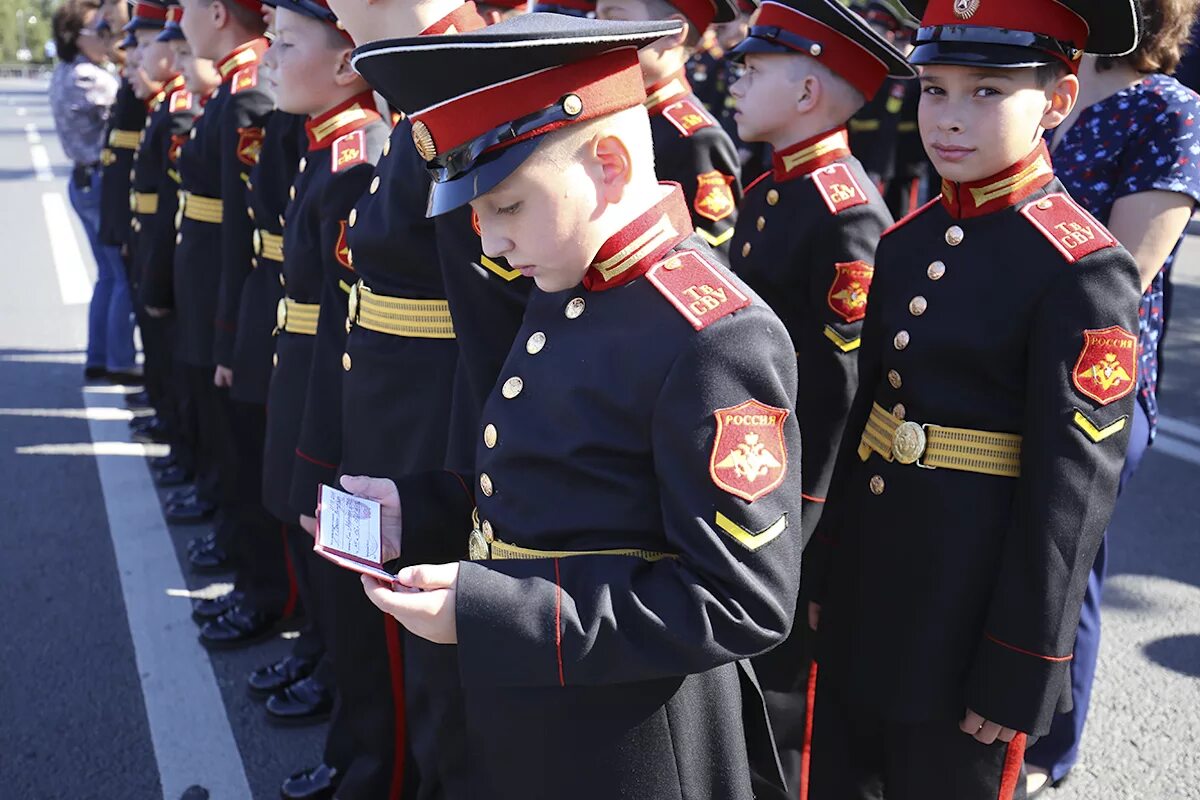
pixel 814 615
pixel 985 732
pixel 424 604
pixel 223 377
pixel 384 492
pixel 309 524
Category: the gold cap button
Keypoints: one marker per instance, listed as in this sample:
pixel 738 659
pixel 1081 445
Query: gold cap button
pixel 899 411
pixel 936 270
pixel 760 223
pixel 901 340
pixel 485 484
pixel 303 163
pixel 772 197
pixel 815 49
pixel 490 435
pixel 917 306
pixel 1045 204
pixel 282 221
pixel 535 343
pixel 954 236
pixel 250 213
pixel 876 484
pixel 353 217
pixel 488 533
pixel 387 146
pixel 292 193
pixel 894 379
pixel 346 362
pixel 512 387
pixel 254 262
pixel 575 308
pixel 179 238
pixel 275 360
pixel 745 249
pixel 375 184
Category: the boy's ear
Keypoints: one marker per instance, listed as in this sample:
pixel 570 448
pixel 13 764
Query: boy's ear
pixel 615 165
pixel 1061 100
pixel 345 75
pixel 808 93
pixel 220 14
pixel 676 40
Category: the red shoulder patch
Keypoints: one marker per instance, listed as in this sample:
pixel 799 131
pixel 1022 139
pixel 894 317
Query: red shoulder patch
pixel 180 101
pixel 249 145
pixel 245 78
pixel 1068 226
pixel 348 150
pixel 714 199
pixel 1106 369
pixel 900 223
pixel 749 455
pixel 341 250
pixel 839 188
pixel 847 295
pixel 696 288
pixel 688 117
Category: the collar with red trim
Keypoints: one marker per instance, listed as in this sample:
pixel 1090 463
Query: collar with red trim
pixel 810 155
pixel 168 89
pixel 666 92
pixel 632 251
pixel 1000 191
pixel 463 19
pixel 343 118
pixel 244 55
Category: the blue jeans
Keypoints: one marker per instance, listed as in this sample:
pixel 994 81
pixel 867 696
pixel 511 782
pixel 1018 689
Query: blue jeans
pixel 1058 750
pixel 110 315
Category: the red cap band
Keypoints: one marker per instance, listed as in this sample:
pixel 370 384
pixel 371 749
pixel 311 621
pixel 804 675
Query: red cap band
pixel 1036 16
pixel 175 14
pixel 150 11
pixel 845 57
pixel 699 13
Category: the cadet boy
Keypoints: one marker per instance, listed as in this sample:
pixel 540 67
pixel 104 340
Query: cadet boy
pixel 610 621
pixel 805 241
pixel 690 146
pixel 982 451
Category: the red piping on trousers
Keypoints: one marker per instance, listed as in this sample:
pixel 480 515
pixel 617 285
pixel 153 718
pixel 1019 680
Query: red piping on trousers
pixel 558 622
pixel 289 605
pixel 806 750
pixel 396 664
pixel 1014 756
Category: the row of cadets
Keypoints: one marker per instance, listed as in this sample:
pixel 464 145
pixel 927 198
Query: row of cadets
pixel 805 241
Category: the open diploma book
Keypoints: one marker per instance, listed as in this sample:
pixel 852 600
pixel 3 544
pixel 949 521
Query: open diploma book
pixel 349 533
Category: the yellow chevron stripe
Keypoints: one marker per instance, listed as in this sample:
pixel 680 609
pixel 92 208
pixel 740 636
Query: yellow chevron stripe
pixel 749 539
pixel 1098 434
pixel 845 345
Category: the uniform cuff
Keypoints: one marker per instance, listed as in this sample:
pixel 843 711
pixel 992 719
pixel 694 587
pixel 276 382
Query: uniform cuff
pixel 1017 688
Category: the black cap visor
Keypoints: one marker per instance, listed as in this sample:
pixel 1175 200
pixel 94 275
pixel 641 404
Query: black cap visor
pixel 485 175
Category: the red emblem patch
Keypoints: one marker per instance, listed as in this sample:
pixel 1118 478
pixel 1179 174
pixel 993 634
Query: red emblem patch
pixel 1107 366
pixel 839 188
pixel 249 145
pixel 749 456
pixel 181 101
pixel 687 117
pixel 348 151
pixel 696 288
pixel 245 78
pixel 848 295
pixel 714 199
pixel 177 141
pixel 1070 228
pixel 341 250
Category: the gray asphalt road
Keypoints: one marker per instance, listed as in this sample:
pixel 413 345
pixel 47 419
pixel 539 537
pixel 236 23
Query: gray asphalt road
pixel 103 693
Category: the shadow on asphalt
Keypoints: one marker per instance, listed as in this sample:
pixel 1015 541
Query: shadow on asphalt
pixel 1178 653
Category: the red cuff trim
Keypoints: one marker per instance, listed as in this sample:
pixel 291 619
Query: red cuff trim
pixel 1014 648
pixel 312 460
pixel 558 622
pixel 811 498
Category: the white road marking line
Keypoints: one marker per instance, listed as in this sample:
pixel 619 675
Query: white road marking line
pixel 193 742
pixel 74 357
pixel 104 413
pixel 1176 448
pixel 74 283
pixel 31 133
pixel 1177 427
pixel 99 448
pixel 21 111
pixel 39 156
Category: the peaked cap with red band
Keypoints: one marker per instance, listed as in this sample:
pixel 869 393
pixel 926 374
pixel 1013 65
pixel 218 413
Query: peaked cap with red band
pixel 171 29
pixel 1021 33
pixel 702 13
pixel 834 36
pixel 490 95
pixel 314 9
pixel 147 14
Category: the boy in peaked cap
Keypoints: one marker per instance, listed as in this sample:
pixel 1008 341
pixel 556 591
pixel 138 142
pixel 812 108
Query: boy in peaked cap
pixel 690 146
pixel 805 241
pixel 605 630
pixel 982 451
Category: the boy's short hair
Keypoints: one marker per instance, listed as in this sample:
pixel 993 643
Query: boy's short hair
pixel 633 124
pixel 1050 74
pixel 246 18
pixel 662 9
pixel 1166 34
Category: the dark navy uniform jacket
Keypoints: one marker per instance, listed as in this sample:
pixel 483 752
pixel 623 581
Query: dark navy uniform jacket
pixel 647 412
pixel 212 259
pixel 125 123
pixel 150 221
pixel 1001 307
pixel 693 150
pixel 284 142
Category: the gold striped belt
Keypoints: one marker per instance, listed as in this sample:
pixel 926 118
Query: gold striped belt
pixel 268 245
pixel 939 447
pixel 143 202
pixel 400 316
pixel 126 140
pixel 482 545
pixel 294 317
pixel 201 209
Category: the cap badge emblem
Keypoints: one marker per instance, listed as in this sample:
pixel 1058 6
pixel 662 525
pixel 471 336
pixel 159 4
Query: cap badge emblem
pixel 965 9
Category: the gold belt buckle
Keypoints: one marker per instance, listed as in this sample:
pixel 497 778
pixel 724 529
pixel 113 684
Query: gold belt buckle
pixel 478 548
pixel 909 443
pixel 352 303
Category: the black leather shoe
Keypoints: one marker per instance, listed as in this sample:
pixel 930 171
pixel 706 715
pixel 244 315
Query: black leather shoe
pixel 210 609
pixel 276 677
pixel 183 494
pixel 174 475
pixel 317 783
pixel 125 377
pixel 94 373
pixel 162 462
pixel 209 559
pixel 237 627
pixel 305 702
pixel 143 421
pixel 204 542
pixel 152 433
pixel 189 512
pixel 138 399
